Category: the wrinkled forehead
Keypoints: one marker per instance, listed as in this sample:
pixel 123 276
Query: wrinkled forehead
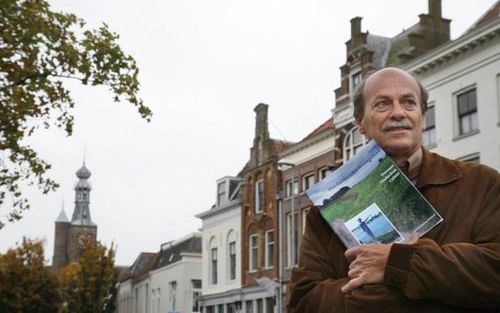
pixel 391 84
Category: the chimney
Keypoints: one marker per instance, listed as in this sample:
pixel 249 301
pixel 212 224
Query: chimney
pixel 355 26
pixel 261 129
pixel 435 8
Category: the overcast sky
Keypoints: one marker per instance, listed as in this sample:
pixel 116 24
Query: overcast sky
pixel 204 66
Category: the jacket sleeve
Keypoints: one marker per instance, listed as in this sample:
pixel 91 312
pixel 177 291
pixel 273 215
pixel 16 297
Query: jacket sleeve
pixel 461 274
pixel 315 284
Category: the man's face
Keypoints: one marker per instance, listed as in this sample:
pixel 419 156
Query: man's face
pixel 392 113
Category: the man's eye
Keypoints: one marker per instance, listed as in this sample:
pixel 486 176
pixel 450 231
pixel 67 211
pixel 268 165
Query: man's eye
pixel 381 104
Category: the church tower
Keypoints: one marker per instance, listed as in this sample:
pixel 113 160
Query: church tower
pixel 70 235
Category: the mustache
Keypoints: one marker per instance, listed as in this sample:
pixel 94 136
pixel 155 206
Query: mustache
pixel 405 124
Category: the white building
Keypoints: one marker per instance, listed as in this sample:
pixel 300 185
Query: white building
pixel 463 81
pixel 165 282
pixel 133 291
pixel 221 256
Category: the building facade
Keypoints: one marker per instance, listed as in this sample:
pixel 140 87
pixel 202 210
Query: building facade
pixel 259 219
pixel 368 52
pixel 166 281
pixel 463 81
pixel 221 250
pixel 302 164
pixel 70 236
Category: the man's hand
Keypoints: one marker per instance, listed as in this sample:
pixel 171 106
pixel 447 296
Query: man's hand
pixel 367 265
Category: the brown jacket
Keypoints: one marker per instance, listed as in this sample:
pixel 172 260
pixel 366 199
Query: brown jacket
pixel 454 268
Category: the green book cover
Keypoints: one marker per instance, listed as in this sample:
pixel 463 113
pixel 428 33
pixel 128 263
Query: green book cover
pixel 369 200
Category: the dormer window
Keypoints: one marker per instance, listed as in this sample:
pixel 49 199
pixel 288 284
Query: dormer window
pixel 221 193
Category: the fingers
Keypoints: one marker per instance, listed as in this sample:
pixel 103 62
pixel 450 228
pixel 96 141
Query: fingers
pixel 352 284
pixel 352 253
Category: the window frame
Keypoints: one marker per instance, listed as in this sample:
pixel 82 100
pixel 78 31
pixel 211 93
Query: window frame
pixel 269 251
pixel 213 266
pixel 232 260
pixel 470 115
pixel 253 253
pixel 430 130
pixel 259 196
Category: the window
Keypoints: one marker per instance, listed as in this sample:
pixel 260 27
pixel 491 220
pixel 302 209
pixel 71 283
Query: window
pixel 292 187
pixel 259 196
pixel 232 260
pixel 291 240
pixel 172 293
pixel 253 255
pixel 323 172
pixel 260 307
pixel 269 252
pixel 220 308
pixel 196 286
pixel 221 193
pixel 356 79
pixel 249 306
pixel 467 112
pixel 429 135
pixel 269 305
pixel 213 258
pixel 307 181
pixel 353 141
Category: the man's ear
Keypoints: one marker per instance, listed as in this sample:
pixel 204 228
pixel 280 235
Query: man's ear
pixel 359 124
pixel 424 120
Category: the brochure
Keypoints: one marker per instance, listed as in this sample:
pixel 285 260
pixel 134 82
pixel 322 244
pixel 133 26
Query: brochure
pixel 370 200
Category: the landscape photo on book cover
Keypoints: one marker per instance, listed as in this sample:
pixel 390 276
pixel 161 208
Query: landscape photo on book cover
pixel 369 200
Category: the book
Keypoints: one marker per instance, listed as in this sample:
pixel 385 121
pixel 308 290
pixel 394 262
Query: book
pixel 370 200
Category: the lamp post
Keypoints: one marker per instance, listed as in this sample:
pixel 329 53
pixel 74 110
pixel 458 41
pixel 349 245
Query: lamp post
pixel 292 233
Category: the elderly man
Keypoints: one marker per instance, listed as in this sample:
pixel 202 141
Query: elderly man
pixel 453 268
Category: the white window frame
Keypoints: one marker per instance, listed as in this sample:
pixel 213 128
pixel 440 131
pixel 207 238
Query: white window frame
pixel 195 291
pixel 349 146
pixel 231 265
pixel 292 187
pixel 221 192
pixel 269 249
pixel 457 127
pixel 306 184
pixel 428 131
pixel 213 266
pixel 322 172
pixel 259 196
pixel 172 290
pixel 352 76
pixel 291 260
pixel 253 250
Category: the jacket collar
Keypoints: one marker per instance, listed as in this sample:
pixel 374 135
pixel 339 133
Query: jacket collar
pixel 437 170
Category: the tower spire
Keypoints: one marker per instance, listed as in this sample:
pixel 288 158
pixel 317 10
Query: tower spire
pixel 81 214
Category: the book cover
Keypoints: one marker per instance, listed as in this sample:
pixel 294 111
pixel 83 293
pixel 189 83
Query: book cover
pixel 369 200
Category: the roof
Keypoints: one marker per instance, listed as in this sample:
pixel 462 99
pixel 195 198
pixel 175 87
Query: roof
pixel 62 218
pixel 328 124
pixel 171 252
pixel 489 16
pixel 380 47
pixel 141 265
